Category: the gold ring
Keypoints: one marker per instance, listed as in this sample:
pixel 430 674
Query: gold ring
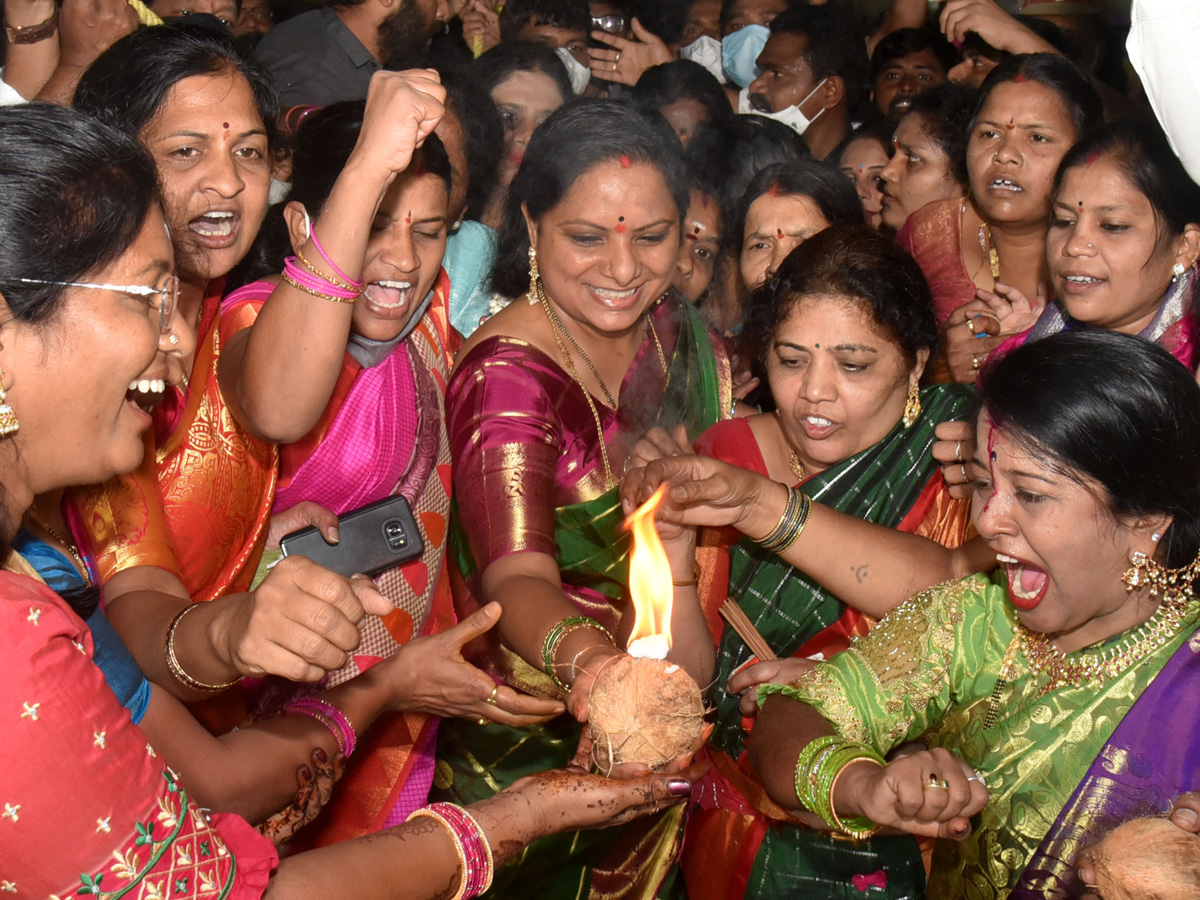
pixel 614 67
pixel 935 782
pixel 483 721
pixel 975 363
pixel 971 324
pixel 491 698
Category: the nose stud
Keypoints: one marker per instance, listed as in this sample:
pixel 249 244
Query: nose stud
pixel 173 340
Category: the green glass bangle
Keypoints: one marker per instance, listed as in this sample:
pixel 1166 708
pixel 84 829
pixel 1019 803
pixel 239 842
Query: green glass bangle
pixel 554 637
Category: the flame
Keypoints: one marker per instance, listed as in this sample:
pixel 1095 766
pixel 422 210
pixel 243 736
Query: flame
pixel 650 584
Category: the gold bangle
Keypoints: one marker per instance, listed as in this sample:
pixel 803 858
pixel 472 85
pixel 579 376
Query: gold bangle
pixel 695 577
pixel 303 287
pixel 177 670
pixel 859 828
pixel 459 850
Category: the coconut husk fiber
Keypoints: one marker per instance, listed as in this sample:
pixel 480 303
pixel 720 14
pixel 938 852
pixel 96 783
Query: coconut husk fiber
pixel 644 711
pixel 1148 859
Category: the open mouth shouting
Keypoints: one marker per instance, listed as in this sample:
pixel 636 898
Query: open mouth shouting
pixel 1027 583
pixel 216 229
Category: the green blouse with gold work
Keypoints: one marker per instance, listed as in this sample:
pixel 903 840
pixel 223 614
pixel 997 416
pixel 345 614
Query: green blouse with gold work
pixel 929 670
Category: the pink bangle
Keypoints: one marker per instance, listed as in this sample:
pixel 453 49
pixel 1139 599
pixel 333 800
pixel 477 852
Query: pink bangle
pixel 470 844
pixel 312 233
pixel 310 282
pixel 342 730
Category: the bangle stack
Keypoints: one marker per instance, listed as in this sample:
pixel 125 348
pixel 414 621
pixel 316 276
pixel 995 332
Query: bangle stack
pixel 177 670
pixel 554 637
pixel 470 843
pixel 818 768
pixel 329 716
pixel 304 276
pixel 791 523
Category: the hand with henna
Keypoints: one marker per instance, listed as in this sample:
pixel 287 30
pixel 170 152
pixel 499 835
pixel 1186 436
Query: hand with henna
pixel 316 787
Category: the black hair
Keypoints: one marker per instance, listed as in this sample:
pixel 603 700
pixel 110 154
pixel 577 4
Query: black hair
pixel 503 60
pixel 730 156
pixel 1119 410
pixel 660 86
pixel 572 15
pixel 570 143
pixel 483 134
pixel 1047 31
pixel 828 188
pixel 1058 74
pixel 906 41
pixel 662 18
pixel 1144 155
pixel 878 129
pixel 833 46
pixel 946 112
pixel 323 144
pixel 74 195
pixel 849 261
pixel 126 86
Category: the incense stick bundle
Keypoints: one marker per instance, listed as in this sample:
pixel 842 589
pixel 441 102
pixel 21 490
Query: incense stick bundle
pixel 732 613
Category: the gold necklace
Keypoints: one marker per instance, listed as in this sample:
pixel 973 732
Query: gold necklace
pixel 989 248
pixel 68 545
pixel 798 467
pixel 558 326
pixel 1094 667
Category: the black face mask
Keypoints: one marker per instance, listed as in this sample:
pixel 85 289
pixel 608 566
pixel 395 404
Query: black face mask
pixel 404 37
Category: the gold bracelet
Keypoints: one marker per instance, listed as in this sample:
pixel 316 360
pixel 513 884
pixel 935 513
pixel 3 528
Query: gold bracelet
pixel 859 828
pixel 177 670
pixel 303 287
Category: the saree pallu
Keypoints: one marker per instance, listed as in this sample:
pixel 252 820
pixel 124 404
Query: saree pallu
pixel 738 843
pixel 199 506
pixel 1152 758
pixel 559 461
pixel 383 433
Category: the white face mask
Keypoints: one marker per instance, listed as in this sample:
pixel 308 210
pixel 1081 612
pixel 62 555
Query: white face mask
pixel 579 74
pixel 706 51
pixel 792 117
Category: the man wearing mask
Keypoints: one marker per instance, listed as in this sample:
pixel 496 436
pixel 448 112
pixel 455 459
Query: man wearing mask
pixel 329 54
pixel 562 25
pixel 814 73
pixel 744 32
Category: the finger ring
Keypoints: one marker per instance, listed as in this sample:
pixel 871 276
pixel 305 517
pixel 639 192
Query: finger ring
pixel 491 698
pixel 975 362
pixel 614 67
pixel 958 451
pixel 979 778
pixel 483 721
pixel 963 466
pixel 935 782
pixel 971 324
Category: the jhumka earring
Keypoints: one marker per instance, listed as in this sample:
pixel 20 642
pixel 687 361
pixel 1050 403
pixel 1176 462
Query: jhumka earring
pixel 535 278
pixel 1174 585
pixel 8 418
pixel 912 407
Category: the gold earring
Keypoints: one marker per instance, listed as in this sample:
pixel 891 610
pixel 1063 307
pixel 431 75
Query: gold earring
pixel 1174 585
pixel 8 418
pixel 535 278
pixel 912 407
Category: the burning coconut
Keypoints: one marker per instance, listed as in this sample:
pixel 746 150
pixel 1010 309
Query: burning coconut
pixel 643 709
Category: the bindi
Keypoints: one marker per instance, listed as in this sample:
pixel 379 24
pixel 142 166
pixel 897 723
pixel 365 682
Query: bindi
pixel 408 218
pixel 779 233
pixel 620 229
pixel 1012 123
pixel 625 162
pixel 992 457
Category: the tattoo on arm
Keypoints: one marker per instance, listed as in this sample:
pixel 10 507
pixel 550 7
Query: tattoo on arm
pixel 860 572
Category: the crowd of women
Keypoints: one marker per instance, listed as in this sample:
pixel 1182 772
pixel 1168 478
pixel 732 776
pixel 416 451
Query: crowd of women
pixel 924 413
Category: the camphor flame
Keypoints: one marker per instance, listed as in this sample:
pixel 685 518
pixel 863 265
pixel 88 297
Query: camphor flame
pixel 650 584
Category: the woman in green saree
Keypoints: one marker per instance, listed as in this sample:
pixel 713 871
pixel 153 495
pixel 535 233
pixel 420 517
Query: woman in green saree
pixel 544 407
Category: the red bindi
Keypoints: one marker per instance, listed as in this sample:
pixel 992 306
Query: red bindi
pixel 779 233
pixel 625 162
pixel 620 229
pixel 1091 160
pixel 408 218
pixel 225 125
pixel 774 190
pixel 1020 79
pixel 1012 123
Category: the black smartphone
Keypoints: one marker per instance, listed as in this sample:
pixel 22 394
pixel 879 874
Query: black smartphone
pixel 371 538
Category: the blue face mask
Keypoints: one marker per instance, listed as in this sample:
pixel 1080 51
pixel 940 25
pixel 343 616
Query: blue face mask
pixel 739 53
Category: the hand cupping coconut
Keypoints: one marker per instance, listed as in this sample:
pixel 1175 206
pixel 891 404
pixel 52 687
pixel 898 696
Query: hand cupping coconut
pixel 643 709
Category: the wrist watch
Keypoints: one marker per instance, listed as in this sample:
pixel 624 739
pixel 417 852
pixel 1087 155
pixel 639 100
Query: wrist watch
pixel 32 34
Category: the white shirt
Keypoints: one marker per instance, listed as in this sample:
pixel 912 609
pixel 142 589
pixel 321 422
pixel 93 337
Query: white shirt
pixel 8 94
pixel 1163 38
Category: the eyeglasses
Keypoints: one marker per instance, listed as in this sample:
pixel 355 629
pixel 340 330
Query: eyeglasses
pixel 609 24
pixel 168 295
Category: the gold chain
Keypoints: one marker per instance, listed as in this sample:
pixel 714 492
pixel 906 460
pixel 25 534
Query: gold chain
pixel 68 545
pixel 987 246
pixel 798 467
pixel 556 326
pixel 1098 666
